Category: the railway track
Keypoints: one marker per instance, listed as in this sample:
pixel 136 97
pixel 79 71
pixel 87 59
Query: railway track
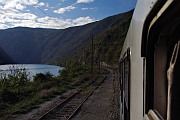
pixel 71 105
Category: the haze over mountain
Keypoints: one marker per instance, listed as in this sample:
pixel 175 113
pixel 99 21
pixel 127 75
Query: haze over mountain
pixel 36 45
pixel 4 58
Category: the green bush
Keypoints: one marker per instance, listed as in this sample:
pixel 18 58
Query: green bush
pixel 8 96
pixel 40 77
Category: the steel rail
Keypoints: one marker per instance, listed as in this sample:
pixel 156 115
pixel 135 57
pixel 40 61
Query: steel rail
pixel 78 108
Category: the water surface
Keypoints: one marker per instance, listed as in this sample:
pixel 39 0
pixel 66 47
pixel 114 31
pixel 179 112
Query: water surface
pixel 32 69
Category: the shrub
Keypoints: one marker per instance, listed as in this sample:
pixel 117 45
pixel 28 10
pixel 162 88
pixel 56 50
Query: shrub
pixel 40 77
pixel 8 96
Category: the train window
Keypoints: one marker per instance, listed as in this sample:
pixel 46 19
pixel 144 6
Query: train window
pixel 160 77
pixel 166 80
pixel 162 83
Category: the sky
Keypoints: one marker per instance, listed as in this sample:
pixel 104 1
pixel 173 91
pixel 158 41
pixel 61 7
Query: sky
pixel 58 14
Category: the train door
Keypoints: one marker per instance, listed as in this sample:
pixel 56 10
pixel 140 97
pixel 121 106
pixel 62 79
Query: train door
pixel 125 85
pixel 163 66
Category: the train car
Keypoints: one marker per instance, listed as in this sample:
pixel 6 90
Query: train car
pixel 149 64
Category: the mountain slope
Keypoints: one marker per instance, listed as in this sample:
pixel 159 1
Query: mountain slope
pixel 23 45
pixel 4 58
pixel 28 45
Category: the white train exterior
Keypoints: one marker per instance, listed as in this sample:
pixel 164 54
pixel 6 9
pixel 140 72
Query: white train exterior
pixel 151 43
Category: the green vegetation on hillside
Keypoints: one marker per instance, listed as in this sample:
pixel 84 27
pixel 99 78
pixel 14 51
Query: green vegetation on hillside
pixel 107 44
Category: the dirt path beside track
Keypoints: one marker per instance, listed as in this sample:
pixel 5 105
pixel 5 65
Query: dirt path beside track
pixel 103 104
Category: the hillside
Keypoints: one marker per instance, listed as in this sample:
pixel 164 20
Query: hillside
pixel 35 45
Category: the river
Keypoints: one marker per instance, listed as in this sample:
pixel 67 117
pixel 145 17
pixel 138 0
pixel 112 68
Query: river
pixel 32 69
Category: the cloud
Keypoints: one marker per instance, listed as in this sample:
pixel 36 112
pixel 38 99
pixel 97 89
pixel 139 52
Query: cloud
pixel 10 20
pixel 84 1
pixel 47 5
pixel 44 22
pixel 16 13
pixel 18 4
pixel 41 4
pixel 49 22
pixel 90 8
pixel 20 7
pixel 36 22
pixel 82 20
pixel 4 26
pixel 63 10
pixel 85 8
pixel 12 17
